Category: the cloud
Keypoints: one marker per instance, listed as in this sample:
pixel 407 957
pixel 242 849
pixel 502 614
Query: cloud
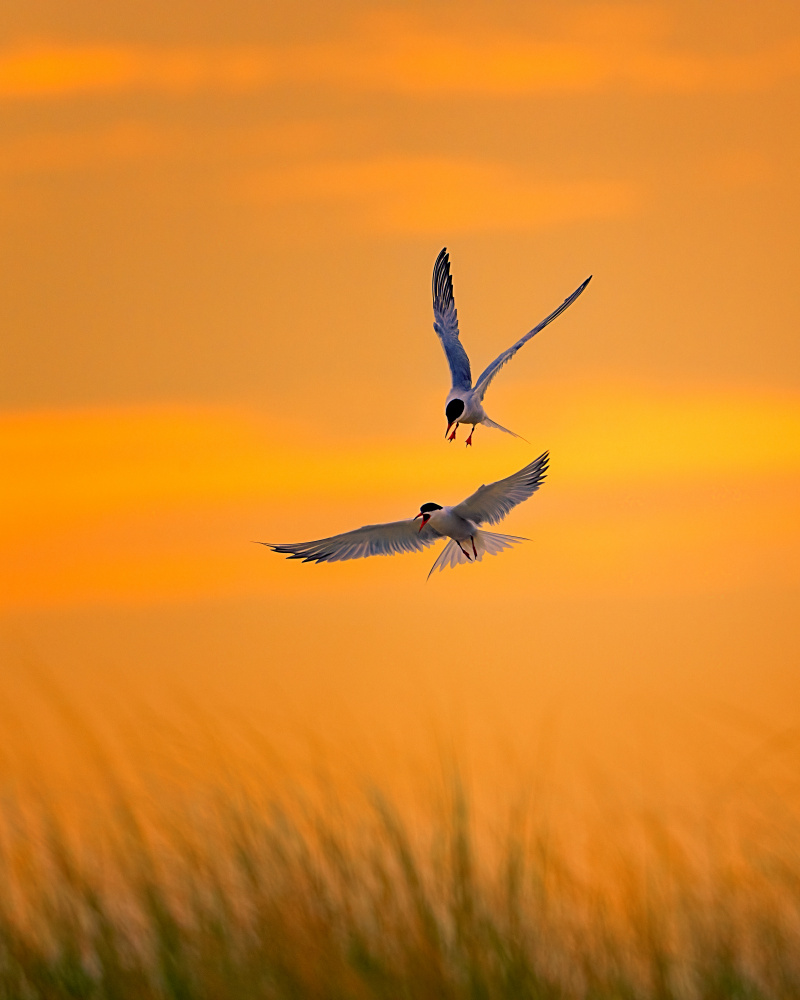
pixel 429 195
pixel 603 49
pixel 627 433
pixel 60 70
pixel 63 151
pixel 134 140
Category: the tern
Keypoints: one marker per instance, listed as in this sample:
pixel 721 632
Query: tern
pixel 468 542
pixel 464 404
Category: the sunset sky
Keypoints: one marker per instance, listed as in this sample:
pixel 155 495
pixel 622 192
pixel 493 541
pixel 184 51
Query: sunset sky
pixel 218 228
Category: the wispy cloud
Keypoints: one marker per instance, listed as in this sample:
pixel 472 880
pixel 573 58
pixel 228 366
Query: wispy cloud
pixel 613 49
pixel 48 152
pixel 61 70
pixel 137 140
pixel 434 195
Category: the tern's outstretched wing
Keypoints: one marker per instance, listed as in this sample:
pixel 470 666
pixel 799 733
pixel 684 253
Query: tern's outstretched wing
pixel 491 370
pixel 491 503
pixel 371 540
pixel 445 322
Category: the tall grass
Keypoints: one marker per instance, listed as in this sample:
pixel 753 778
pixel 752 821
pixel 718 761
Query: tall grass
pixel 232 890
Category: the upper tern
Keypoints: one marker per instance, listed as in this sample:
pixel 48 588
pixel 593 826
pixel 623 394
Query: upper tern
pixel 468 542
pixel 464 404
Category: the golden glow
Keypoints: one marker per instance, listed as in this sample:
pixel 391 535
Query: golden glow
pixel 402 54
pixel 217 238
pixel 429 196
pixel 680 481
pixel 63 70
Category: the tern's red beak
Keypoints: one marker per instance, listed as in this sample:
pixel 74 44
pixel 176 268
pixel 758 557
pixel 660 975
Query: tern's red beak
pixel 425 519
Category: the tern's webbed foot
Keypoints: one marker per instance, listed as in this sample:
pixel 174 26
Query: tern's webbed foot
pixel 452 436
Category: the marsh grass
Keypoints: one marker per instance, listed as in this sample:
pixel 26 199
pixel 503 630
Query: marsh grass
pixel 164 888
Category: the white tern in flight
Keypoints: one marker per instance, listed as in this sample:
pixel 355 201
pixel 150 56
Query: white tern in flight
pixel 468 542
pixel 464 404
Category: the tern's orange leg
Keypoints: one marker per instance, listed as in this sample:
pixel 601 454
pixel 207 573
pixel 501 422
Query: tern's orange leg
pixel 472 539
pixel 463 550
pixel 453 435
pixel 469 439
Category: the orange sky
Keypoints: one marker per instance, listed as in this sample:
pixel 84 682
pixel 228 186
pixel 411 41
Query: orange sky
pixel 218 228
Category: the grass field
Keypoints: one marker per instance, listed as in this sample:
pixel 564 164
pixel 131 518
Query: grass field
pixel 140 880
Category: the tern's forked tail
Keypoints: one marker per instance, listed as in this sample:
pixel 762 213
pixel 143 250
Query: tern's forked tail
pixel 486 542
pixel 499 427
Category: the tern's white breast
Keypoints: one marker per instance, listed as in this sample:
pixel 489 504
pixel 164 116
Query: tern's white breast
pixel 448 523
pixel 473 410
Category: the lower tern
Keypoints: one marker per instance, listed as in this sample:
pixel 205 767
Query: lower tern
pixel 464 404
pixel 468 542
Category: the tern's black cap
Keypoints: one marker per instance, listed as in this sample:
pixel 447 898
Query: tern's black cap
pixel 454 409
pixel 426 508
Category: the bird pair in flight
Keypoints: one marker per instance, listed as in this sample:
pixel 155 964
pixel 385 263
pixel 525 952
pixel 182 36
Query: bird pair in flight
pixel 487 505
